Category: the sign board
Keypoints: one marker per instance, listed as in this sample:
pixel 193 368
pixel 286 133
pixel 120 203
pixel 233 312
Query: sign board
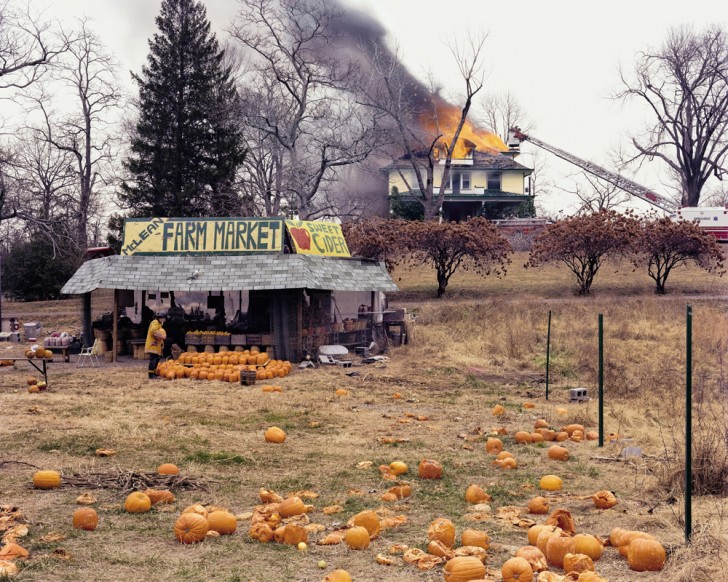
pixel 317 238
pixel 192 236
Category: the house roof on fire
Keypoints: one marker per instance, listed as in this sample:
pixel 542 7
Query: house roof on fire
pixel 481 161
pixel 229 273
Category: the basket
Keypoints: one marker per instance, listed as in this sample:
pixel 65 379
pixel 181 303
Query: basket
pixel 247 378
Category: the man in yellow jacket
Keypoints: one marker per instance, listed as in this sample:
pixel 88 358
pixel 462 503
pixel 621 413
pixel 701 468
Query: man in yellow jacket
pixel 155 342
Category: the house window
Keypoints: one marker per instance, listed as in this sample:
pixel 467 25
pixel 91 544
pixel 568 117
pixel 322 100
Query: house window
pixel 494 181
pixel 465 181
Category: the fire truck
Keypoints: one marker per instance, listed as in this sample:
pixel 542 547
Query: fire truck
pixel 712 219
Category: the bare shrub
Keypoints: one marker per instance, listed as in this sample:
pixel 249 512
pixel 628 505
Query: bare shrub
pixel 701 561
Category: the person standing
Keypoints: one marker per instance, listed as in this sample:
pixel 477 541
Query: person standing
pixel 155 342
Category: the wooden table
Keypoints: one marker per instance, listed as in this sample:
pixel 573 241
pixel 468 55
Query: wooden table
pixel 65 351
pixel 32 362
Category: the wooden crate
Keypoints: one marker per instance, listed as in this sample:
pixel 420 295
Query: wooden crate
pixel 247 378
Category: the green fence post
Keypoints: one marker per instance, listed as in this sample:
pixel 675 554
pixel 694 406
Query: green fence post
pixel 601 380
pixel 689 424
pixel 548 354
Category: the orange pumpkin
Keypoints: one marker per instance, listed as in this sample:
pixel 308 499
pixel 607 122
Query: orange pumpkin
pixel 475 494
pixel 578 563
pixel 369 520
pixel 522 437
pixel 137 502
pixel 517 570
pixel 274 435
pixel 477 538
pixel 534 557
pixel 223 522
pixel 538 505
pixel 429 469
pixel 338 576
pixel 558 453
pixel 85 518
pixel 291 506
pixel 588 545
pixel 556 548
pixel 294 534
pixel 160 496
pixel 46 479
pixel 645 555
pixel 442 530
pixel 604 499
pixel 493 446
pixel 357 538
pixel 168 469
pixel 464 569
pixel 196 508
pixel 190 528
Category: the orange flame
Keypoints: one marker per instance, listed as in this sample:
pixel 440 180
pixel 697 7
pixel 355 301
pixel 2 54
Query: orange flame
pixel 445 121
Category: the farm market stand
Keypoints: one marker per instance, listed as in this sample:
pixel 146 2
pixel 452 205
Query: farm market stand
pixel 231 283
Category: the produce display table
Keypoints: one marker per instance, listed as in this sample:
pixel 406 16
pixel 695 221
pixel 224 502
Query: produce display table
pixel 43 370
pixel 64 350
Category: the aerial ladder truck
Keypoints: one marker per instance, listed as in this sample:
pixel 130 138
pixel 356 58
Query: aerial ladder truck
pixel 712 219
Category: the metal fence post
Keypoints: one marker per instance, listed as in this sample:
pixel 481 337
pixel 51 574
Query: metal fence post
pixel 601 380
pixel 548 354
pixel 689 424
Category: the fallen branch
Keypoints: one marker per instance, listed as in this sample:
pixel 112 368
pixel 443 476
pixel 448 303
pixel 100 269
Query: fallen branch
pixel 127 481
pixel 3 463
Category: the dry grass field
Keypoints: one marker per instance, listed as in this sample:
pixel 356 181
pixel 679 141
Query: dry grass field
pixel 483 344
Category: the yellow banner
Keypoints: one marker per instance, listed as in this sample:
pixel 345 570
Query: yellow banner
pixel 159 236
pixel 317 238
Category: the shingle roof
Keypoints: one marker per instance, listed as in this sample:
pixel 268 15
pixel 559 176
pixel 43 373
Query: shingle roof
pixel 482 160
pixel 229 273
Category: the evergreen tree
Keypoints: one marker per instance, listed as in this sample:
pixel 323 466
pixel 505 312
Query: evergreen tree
pixel 187 148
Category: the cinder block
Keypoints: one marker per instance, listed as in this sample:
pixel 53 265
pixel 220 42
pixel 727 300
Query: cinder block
pixel 578 395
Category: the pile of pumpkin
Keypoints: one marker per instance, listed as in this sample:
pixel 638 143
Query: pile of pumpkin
pixel 35 385
pixel 225 366
pixel 39 353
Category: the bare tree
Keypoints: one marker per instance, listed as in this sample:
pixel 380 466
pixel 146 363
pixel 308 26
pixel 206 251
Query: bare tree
pixel 499 112
pixel 596 194
pixel 85 135
pixel 684 84
pixel 302 111
pixel 27 44
pixel 425 130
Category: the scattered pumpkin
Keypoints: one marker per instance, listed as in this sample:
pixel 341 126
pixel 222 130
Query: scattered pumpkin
pixel 337 576
pixel 429 469
pixel 475 494
pixel 498 410
pixel 196 508
pixel 261 531
pixel 8 569
pixel 11 551
pixel 517 570
pixel 556 549
pixel 85 518
pixel 535 530
pixel 528 405
pixel 368 520
pixel 160 496
pixel 507 463
pixel 357 538
pixel 477 538
pixel 292 534
pixel 401 491
pixel 538 505
pixel 536 437
pixel 47 480
pixel 398 468
pixel 629 537
pixel 341 392
pixel 562 518
pixel 223 522
pixel 562 436
pixel 190 528
pixel 274 435
pixel 443 530
pixel 558 453
pixel 291 506
pixel 534 557
pixel 545 534
pixel 137 502
pixel 168 469
pixel 504 455
pixel 604 499
pixel 31 381
pixel 645 555
pixel 588 545
pixel 540 423
pixel 464 569
pixel 522 437
pixel 493 446
pixel 437 548
pixel 578 563
pixel 592 435
pixel 34 389
pixel 551 483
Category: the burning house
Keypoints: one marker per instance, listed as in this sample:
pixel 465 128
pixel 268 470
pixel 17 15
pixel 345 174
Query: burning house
pixel 484 178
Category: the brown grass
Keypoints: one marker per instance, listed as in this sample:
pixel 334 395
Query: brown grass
pixel 480 347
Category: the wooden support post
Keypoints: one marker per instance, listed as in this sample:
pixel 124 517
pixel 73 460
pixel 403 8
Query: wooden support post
pixel 86 320
pixel 115 325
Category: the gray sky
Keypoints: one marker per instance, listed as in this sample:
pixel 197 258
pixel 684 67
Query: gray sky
pixel 560 58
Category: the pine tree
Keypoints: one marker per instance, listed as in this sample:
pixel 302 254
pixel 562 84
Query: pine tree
pixel 187 148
